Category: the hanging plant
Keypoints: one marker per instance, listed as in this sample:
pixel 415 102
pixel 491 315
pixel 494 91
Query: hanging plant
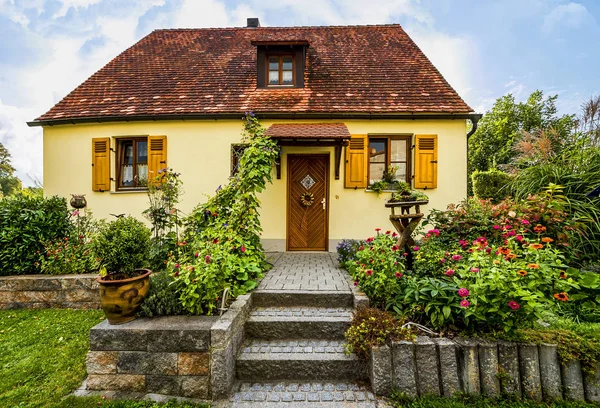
pixel 307 199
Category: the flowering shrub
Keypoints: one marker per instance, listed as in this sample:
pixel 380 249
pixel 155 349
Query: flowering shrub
pixel 221 243
pixel 497 222
pixel 379 268
pixel 347 250
pixel 373 327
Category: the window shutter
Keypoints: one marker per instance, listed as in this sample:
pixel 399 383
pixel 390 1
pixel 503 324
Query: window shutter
pixel 356 162
pixel 157 155
pixel 101 164
pixel 426 155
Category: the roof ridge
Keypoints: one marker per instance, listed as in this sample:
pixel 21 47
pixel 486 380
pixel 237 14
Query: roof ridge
pixel 278 27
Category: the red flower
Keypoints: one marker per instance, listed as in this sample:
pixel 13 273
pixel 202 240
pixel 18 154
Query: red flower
pixel 513 305
pixel 465 303
pixel 215 241
pixel 398 275
pixel 377 229
pixel 360 248
pixel 243 249
pixel 369 272
pixel 449 272
pixel 394 248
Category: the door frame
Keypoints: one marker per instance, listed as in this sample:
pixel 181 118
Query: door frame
pixel 327 157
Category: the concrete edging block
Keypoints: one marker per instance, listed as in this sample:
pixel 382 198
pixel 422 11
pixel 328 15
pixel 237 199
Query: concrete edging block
pixel 404 368
pixel 449 370
pixel 529 364
pixel 572 380
pixel 508 367
pixel 469 365
pixel 489 368
pixel 380 370
pixel 550 372
pixel 428 374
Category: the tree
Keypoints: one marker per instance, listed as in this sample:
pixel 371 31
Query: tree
pixel 9 183
pixel 501 128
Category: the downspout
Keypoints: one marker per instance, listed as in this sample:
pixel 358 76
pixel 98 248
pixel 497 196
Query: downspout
pixel 474 122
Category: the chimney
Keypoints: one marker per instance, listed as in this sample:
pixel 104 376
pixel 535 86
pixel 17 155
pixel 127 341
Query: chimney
pixel 253 22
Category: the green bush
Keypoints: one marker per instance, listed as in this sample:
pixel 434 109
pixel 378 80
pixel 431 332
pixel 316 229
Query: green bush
pixel 163 297
pixel 25 224
pixel 492 184
pixel 123 247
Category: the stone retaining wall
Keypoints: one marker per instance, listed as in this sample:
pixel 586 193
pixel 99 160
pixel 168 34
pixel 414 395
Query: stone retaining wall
pixel 43 291
pixel 162 355
pixel 174 356
pixel 431 366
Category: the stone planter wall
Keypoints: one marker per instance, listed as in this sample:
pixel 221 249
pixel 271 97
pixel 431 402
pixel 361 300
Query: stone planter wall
pixel 44 291
pixel 174 356
pixel 444 367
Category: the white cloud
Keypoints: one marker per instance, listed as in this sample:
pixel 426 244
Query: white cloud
pixel 571 16
pixel 75 4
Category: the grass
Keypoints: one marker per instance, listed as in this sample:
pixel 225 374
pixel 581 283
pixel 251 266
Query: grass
pixel 42 360
pixel 462 401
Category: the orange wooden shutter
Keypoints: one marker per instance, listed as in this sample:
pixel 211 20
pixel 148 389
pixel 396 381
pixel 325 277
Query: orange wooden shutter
pixel 157 155
pixel 356 162
pixel 101 164
pixel 426 155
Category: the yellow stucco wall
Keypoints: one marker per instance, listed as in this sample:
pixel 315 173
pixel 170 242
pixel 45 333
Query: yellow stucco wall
pixel 200 151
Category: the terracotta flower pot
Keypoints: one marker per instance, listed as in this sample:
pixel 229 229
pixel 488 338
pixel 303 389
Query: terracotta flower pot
pixel 121 299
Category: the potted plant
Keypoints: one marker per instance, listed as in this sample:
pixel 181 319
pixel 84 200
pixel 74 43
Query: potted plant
pixel 122 248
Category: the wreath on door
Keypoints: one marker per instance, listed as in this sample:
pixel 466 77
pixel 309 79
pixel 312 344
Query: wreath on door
pixel 307 199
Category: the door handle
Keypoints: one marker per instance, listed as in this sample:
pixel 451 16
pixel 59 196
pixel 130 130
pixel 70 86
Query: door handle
pixel 324 202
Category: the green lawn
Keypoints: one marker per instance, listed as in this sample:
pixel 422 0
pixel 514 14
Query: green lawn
pixel 42 359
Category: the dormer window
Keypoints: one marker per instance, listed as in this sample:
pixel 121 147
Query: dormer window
pixel 280 64
pixel 281 70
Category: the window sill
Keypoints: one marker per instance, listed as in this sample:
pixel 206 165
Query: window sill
pixel 136 191
pixel 368 190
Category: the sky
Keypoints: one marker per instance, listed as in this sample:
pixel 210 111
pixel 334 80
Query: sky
pixel 484 48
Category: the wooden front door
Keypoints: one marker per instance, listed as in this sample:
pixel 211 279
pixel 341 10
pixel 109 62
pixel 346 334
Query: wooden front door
pixel 307 212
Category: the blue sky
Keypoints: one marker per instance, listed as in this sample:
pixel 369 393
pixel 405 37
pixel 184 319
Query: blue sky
pixel 484 48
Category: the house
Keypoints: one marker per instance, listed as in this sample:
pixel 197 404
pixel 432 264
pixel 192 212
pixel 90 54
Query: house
pixel 344 103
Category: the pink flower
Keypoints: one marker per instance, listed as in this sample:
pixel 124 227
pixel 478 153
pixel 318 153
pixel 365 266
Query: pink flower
pixel 525 222
pixel 405 254
pixel 388 232
pixel 177 266
pixel 450 272
pixel 488 250
pixel 465 303
pixel 355 283
pixel 442 260
pixel 513 305
pixel 496 227
pixel 207 259
pixel 369 272
pixel 369 240
pixel 463 292
pixel 463 242
pixel 507 227
pixel 398 275
pixel 474 270
pixel 197 254
pixel 519 238
pixel 394 234
pixel 416 248
pixel 456 257
pixel 243 249
pixel 394 248
pixel 75 213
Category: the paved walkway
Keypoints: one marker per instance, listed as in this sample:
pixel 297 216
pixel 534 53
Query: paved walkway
pixel 306 271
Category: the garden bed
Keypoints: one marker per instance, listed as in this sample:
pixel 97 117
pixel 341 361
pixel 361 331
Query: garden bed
pixel 42 292
pixel 175 356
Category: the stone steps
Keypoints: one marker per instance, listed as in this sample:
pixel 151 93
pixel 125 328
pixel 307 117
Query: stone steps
pixel 302 298
pixel 314 360
pixel 298 323
pixel 309 394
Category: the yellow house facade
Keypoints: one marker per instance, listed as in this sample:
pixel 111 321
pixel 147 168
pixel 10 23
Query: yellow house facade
pixel 107 136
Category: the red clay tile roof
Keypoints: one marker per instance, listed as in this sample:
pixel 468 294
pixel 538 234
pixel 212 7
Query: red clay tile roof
pixel 354 69
pixel 308 131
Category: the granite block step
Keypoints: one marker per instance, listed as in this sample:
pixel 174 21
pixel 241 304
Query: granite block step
pixel 305 394
pixel 298 323
pixel 303 298
pixel 314 360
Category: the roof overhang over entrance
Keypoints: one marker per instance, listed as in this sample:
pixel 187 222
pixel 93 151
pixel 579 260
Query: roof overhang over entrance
pixel 311 135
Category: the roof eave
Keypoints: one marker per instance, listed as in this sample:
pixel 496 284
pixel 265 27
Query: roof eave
pixel 262 115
